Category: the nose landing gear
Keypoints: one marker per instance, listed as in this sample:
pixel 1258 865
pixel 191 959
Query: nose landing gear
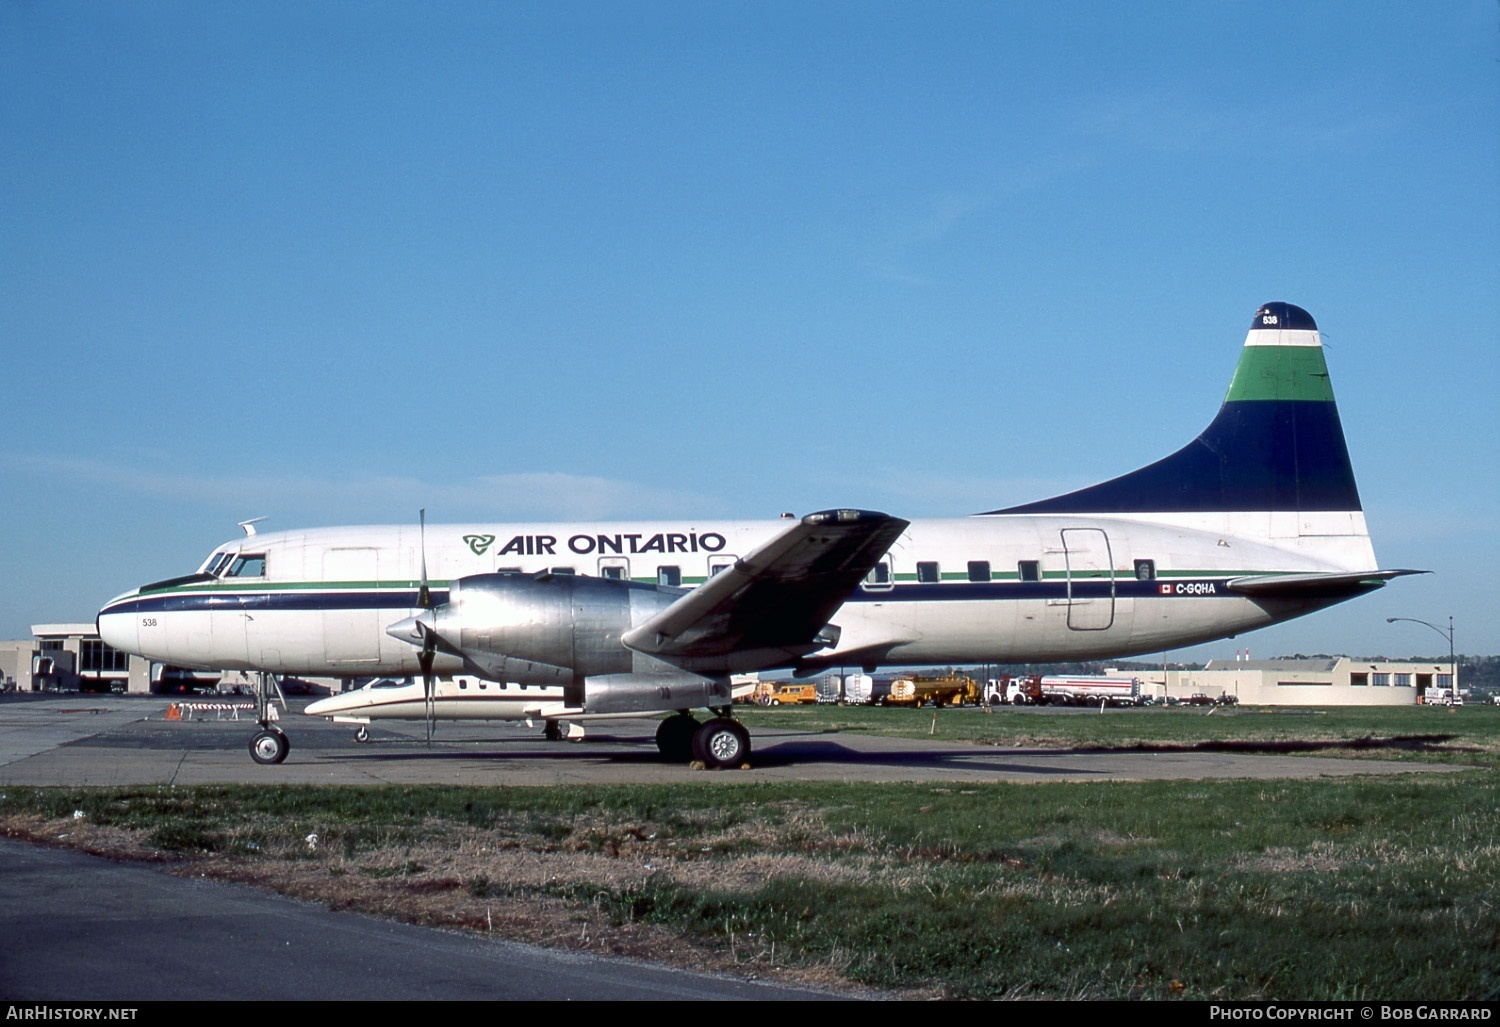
pixel 270 744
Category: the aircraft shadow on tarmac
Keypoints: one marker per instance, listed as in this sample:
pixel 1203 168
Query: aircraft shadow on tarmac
pixel 814 748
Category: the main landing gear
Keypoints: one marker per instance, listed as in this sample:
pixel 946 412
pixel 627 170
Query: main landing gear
pixel 718 744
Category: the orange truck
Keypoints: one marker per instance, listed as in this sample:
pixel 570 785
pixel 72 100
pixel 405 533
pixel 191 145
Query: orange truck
pixel 781 693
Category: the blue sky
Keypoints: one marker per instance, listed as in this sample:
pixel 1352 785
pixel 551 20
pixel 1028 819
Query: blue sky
pixel 332 262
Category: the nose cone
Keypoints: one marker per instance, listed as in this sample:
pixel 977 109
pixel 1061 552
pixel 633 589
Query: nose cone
pixel 334 704
pixel 119 626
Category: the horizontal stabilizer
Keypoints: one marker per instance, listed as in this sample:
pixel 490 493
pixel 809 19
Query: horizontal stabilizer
pixel 1301 586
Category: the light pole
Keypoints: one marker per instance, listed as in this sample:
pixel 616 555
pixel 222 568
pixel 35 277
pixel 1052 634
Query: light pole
pixel 1452 660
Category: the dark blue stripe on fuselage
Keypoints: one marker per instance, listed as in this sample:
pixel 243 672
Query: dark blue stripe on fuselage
pixel 909 592
pixel 291 599
pixel 1273 455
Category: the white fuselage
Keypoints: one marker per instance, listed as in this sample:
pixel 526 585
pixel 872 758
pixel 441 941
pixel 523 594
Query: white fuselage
pixel 988 588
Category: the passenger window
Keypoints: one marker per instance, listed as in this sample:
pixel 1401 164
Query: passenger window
pixel 1145 570
pixel 927 572
pixel 669 576
pixel 879 576
pixel 979 570
pixel 614 573
pixel 1030 570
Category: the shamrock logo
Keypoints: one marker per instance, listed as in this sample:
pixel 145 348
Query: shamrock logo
pixel 479 543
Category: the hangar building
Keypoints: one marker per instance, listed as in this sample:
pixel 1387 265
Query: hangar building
pixel 1323 681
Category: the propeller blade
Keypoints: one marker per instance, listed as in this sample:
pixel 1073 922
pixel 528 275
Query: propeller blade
pixel 430 706
pixel 424 593
pixel 429 637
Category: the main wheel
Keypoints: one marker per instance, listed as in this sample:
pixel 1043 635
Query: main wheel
pixel 269 746
pixel 721 743
pixel 674 737
pixel 553 731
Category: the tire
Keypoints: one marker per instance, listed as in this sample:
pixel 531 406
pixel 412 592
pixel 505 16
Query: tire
pixel 268 747
pixel 721 743
pixel 674 737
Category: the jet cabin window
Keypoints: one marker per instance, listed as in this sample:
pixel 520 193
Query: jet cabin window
pixel 927 572
pixel 879 577
pixel 669 576
pixel 979 570
pixel 248 565
pixel 1030 570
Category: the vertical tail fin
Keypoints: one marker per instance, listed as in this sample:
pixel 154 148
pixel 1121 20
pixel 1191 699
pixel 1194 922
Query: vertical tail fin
pixel 1277 444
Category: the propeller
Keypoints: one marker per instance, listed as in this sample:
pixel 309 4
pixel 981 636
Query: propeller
pixel 428 651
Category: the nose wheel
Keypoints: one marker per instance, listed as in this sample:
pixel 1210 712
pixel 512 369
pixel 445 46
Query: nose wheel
pixel 269 746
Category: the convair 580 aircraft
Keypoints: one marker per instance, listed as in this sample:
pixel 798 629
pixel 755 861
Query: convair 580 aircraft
pixel 1256 521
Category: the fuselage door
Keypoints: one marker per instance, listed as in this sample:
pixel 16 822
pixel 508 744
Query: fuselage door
pixel 1091 579
pixel 351 621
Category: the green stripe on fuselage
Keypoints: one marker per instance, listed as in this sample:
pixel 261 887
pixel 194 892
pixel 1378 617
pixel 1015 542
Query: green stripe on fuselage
pixel 1281 372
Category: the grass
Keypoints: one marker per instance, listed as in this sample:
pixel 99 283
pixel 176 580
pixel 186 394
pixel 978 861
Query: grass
pixel 1360 888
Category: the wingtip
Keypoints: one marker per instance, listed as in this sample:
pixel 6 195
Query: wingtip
pixel 826 517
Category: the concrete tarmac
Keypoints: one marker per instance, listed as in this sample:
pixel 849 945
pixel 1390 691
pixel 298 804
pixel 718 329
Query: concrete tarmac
pixel 117 740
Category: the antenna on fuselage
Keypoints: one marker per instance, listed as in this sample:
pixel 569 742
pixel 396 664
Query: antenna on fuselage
pixel 249 526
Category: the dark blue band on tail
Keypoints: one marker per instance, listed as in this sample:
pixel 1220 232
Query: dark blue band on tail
pixel 1283 455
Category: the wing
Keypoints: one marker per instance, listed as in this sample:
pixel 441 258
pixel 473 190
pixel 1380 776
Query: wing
pixel 774 603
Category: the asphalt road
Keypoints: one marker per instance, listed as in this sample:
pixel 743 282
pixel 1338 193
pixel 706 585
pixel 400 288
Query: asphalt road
pixel 75 928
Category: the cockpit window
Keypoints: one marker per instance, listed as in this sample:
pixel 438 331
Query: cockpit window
pixel 216 563
pixel 248 565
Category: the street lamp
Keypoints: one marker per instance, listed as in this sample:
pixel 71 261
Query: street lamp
pixel 1452 661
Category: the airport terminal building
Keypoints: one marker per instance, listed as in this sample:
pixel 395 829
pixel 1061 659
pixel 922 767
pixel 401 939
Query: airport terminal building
pixel 70 658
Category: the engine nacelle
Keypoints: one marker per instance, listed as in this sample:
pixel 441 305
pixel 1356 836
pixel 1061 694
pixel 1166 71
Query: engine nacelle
pixel 548 628
pixel 653 693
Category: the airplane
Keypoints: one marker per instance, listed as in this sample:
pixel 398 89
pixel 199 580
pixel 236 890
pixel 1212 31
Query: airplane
pixel 1254 522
